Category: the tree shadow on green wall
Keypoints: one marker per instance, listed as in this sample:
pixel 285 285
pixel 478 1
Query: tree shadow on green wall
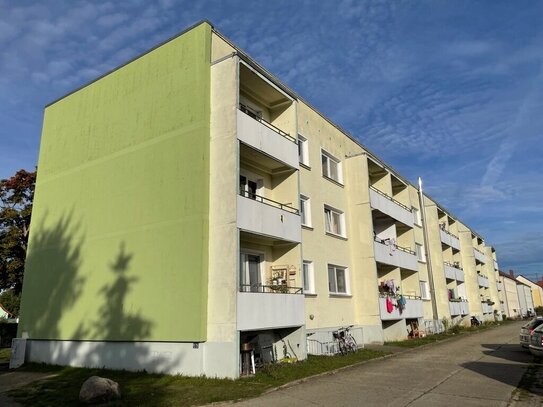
pixel 52 283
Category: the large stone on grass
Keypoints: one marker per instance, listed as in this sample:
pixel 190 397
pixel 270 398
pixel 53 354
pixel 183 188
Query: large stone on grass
pixel 99 390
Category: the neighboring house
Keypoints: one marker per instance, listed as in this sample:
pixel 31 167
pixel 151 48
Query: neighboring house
pixel 537 291
pixel 191 209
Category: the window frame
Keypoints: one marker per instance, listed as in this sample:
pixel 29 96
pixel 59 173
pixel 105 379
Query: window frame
pixel 342 225
pixel 339 169
pixel 346 279
pixel 308 274
pixel 305 211
pixel 424 293
pixel 421 252
pixel 303 150
pixel 417 218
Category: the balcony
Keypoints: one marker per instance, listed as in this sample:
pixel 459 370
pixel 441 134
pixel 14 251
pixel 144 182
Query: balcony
pixel 413 309
pixel 453 271
pixel 458 307
pixel 449 239
pixel 487 309
pixel 482 280
pixel 479 255
pixel 499 285
pixel 267 138
pixel 267 307
pixel 496 265
pixel 391 207
pixel 267 217
pixel 388 252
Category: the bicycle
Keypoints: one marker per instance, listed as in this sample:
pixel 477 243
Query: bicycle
pixel 346 342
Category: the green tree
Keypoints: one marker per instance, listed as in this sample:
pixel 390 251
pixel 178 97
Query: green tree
pixel 16 197
pixel 11 301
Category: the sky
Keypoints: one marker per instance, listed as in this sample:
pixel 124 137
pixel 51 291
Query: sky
pixel 451 91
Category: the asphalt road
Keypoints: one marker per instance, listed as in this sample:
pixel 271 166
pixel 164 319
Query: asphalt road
pixel 480 369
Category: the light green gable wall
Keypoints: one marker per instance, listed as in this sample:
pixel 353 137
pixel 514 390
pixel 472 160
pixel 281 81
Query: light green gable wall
pixel 118 243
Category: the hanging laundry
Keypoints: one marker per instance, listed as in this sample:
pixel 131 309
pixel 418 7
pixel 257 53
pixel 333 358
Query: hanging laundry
pixel 390 306
pixel 401 303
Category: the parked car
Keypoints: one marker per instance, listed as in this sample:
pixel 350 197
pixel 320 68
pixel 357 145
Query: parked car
pixel 527 330
pixel 536 342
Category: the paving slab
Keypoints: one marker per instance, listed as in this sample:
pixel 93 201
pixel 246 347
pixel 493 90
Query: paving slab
pixel 480 369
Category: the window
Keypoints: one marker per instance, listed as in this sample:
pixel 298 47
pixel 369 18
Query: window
pixel 251 265
pixel 338 280
pixel 334 221
pixel 424 290
pixel 250 185
pixel 421 254
pixel 303 150
pixel 331 167
pixel 305 210
pixel 416 216
pixel 309 277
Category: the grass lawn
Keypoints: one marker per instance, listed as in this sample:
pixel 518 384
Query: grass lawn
pixel 162 390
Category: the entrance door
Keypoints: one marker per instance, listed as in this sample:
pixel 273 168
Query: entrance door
pixel 251 279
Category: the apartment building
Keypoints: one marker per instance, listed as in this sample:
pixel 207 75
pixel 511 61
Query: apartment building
pixel 192 210
pixel 537 291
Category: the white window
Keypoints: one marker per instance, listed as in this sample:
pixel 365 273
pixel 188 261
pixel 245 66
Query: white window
pixel 331 167
pixel 251 266
pixel 421 254
pixel 416 216
pixel 338 280
pixel 424 290
pixel 309 277
pixel 303 150
pixel 305 210
pixel 250 185
pixel 334 221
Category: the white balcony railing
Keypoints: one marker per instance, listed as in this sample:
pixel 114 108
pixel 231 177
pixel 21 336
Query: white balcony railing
pixel 479 255
pixel 449 239
pixel 482 280
pixel 265 219
pixel 499 285
pixel 257 310
pixel 270 141
pixel 459 308
pixel 496 265
pixel 453 272
pixel 413 309
pixel 387 252
pixel 487 309
pixel 389 206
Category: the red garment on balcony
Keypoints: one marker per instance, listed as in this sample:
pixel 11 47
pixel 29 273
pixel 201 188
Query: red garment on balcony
pixel 390 306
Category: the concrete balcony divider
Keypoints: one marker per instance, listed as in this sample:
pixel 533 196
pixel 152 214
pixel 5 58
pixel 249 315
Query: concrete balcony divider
pixel 269 310
pixel 263 138
pixel 483 281
pixel 385 204
pixel 390 254
pixel 260 218
pixel 413 309
pixel 479 255
pixel 449 239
